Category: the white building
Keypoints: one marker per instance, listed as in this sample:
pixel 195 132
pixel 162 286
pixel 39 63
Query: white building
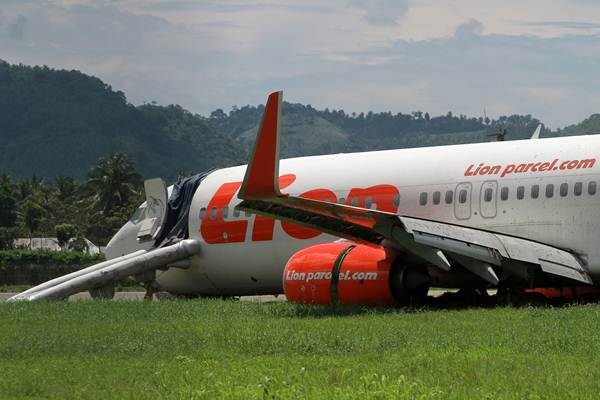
pixel 51 243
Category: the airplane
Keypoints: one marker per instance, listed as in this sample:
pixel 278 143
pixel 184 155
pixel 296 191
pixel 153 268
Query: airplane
pixel 375 228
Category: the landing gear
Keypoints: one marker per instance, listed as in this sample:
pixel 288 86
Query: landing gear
pixel 150 291
pixel 409 283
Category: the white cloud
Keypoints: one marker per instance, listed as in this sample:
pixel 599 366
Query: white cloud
pixel 381 12
pixel 507 56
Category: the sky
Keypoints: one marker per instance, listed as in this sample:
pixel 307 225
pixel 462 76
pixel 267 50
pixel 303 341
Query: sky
pixel 465 56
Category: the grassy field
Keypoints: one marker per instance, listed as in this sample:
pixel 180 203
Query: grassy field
pixel 225 349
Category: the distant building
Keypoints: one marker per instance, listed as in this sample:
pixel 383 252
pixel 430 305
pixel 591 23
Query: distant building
pixel 51 243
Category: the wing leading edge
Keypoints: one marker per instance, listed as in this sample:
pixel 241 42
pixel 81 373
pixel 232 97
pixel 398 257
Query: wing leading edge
pixel 433 241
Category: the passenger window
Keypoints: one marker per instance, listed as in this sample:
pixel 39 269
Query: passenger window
pixel 549 190
pixel 225 212
pixel 354 202
pixel 462 196
pixel 520 192
pixel 202 213
pixel 368 202
pixel 436 197
pixel 423 198
pixel 504 193
pixel 578 189
pixel 535 191
pixel 213 213
pixel 396 200
pixel 592 188
pixel 449 195
pixel 564 189
pixel 247 214
pixel 487 196
pixel 236 212
pixel 342 201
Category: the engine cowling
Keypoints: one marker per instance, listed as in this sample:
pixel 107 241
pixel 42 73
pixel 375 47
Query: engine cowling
pixel 347 273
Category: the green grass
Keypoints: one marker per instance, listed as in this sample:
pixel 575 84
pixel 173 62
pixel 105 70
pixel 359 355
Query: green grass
pixel 225 349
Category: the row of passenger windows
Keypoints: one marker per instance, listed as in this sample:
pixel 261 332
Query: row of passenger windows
pixel 448 197
pixel 488 193
pixel 355 202
pixel 436 197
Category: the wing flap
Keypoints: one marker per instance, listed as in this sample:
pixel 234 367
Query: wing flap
pixel 492 248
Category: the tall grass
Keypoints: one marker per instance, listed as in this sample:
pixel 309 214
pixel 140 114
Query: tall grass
pixel 227 349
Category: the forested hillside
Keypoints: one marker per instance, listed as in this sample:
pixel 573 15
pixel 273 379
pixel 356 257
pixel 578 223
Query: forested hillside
pixel 56 123
pixel 589 126
pixel 308 131
pixel 59 123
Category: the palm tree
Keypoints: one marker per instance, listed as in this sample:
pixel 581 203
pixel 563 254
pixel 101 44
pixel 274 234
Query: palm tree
pixel 65 187
pixel 31 215
pixel 114 181
pixel 8 204
pixel 30 187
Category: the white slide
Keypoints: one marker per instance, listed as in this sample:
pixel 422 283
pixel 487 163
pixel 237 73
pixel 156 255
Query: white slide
pixel 110 272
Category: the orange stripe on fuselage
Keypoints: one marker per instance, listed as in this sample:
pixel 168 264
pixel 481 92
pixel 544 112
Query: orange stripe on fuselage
pixel 216 230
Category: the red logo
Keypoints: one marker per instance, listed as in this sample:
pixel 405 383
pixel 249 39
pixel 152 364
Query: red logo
pixel 215 229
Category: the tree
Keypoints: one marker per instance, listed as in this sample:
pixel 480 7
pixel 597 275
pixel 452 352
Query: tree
pixel 218 114
pixel 114 182
pixel 65 187
pixel 8 204
pixel 31 216
pixel 64 233
pixel 7 237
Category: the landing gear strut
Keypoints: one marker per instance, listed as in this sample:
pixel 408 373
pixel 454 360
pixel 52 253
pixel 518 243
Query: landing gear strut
pixel 409 283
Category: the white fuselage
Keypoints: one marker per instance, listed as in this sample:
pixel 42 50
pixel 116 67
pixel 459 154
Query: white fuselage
pixel 490 186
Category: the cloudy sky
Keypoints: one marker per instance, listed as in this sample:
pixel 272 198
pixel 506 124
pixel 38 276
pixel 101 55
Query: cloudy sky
pixel 509 56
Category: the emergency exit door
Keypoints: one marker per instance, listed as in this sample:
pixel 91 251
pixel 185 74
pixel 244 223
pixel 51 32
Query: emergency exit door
pixel 488 199
pixel 462 200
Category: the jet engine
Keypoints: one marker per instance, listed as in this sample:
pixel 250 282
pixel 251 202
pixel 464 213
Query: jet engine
pixel 347 273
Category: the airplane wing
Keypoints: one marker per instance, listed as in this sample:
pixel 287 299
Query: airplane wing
pixel 433 241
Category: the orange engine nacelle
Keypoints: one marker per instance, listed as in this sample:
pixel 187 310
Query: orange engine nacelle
pixel 340 273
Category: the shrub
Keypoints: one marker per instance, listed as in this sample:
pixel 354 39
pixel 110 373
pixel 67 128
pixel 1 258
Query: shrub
pixel 7 237
pixel 32 267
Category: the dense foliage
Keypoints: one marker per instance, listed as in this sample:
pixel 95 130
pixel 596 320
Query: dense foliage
pixel 307 131
pixel 66 208
pixel 32 267
pixel 58 123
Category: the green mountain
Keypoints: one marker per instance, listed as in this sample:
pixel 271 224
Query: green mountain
pixel 589 126
pixel 307 131
pixel 56 122
pixel 60 122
